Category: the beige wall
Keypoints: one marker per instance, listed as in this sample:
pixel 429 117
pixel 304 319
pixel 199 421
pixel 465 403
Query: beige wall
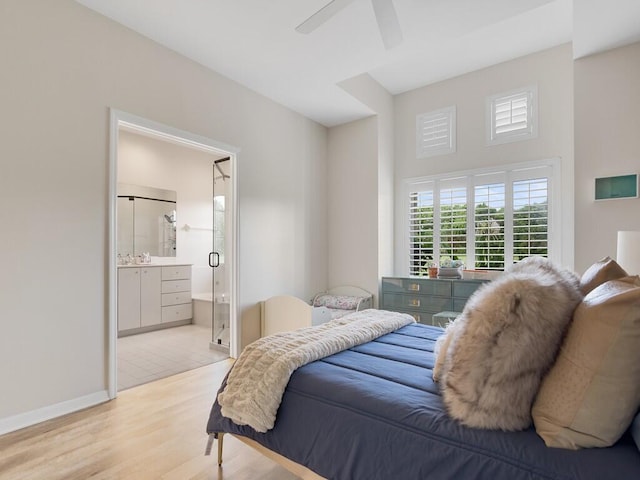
pixel 550 70
pixel 607 143
pixel 379 176
pixel 63 67
pixel 353 204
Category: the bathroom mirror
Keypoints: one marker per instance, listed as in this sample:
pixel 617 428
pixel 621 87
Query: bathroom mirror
pixel 146 221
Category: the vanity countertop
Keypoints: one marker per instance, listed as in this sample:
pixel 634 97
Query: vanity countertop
pixel 158 262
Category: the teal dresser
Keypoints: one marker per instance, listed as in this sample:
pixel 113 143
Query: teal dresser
pixel 423 297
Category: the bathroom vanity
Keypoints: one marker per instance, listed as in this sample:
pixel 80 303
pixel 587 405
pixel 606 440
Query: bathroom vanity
pixel 153 296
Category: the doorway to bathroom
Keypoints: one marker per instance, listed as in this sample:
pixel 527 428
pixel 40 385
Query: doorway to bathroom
pixel 148 154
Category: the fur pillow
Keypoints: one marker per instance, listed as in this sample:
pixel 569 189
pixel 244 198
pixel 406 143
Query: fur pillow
pixel 491 359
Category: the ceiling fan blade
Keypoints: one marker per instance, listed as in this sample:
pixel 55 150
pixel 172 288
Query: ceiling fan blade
pixel 322 15
pixel 387 23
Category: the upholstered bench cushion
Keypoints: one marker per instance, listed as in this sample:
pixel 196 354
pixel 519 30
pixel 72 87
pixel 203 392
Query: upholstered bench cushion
pixel 341 302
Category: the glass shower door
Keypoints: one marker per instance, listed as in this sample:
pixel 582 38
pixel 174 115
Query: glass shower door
pixel 220 311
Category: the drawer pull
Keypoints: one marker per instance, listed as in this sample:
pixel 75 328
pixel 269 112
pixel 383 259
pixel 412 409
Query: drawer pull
pixel 415 302
pixel 414 287
pixel 416 316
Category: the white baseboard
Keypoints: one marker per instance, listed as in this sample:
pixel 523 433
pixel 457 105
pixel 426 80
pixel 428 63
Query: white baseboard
pixel 22 420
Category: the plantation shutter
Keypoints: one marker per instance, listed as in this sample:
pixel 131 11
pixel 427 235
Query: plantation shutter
pixel 530 218
pixel 421 229
pixel 511 113
pixel 512 116
pixel 453 221
pixel 435 133
pixel 489 226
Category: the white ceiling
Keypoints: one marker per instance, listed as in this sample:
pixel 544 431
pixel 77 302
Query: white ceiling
pixel 254 42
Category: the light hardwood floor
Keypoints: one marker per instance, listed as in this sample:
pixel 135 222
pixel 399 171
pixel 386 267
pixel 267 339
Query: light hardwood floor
pixel 154 431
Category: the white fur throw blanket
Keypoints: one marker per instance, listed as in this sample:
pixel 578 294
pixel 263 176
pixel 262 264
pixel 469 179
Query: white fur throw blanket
pixel 259 377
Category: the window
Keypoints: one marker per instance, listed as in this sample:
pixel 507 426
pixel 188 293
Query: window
pixel 436 133
pixel 453 221
pixel 486 219
pixel 489 203
pixel 530 218
pixel 512 116
pixel 421 230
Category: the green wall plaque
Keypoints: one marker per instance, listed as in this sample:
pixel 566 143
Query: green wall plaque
pixel 610 188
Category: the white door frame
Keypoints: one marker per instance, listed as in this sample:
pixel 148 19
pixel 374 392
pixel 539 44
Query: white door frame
pixel 141 125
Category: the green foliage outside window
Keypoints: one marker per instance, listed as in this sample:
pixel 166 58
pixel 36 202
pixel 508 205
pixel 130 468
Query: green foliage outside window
pixel 530 235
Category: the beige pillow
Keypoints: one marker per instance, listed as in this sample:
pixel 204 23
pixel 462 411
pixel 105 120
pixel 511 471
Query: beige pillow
pixel 590 395
pixel 599 273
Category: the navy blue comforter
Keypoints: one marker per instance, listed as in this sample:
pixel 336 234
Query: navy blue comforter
pixel 373 412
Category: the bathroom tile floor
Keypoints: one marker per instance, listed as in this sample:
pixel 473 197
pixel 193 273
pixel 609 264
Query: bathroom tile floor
pixel 150 356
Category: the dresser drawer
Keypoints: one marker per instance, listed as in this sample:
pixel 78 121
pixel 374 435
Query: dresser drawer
pixel 178 272
pixel 425 304
pixel 173 313
pixel 417 286
pixel 464 289
pixel 173 286
pixel 175 298
pixel 458 304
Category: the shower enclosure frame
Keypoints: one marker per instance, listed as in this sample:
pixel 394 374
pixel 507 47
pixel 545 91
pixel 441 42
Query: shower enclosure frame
pixel 219 304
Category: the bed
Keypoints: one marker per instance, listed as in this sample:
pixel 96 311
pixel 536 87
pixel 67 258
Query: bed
pixel 285 312
pixel 373 412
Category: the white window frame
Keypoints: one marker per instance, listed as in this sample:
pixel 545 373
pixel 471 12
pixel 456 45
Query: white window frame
pixel 516 135
pixel 510 173
pixel 423 149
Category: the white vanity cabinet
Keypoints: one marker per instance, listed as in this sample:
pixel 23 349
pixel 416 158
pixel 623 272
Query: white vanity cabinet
pixel 176 293
pixel 151 297
pixel 128 298
pixel 138 297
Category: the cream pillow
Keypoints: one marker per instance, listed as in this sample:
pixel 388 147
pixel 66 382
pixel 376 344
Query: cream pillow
pixel 599 273
pixel 591 394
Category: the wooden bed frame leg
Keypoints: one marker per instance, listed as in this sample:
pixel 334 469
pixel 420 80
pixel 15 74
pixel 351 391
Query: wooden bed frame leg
pixel 220 437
